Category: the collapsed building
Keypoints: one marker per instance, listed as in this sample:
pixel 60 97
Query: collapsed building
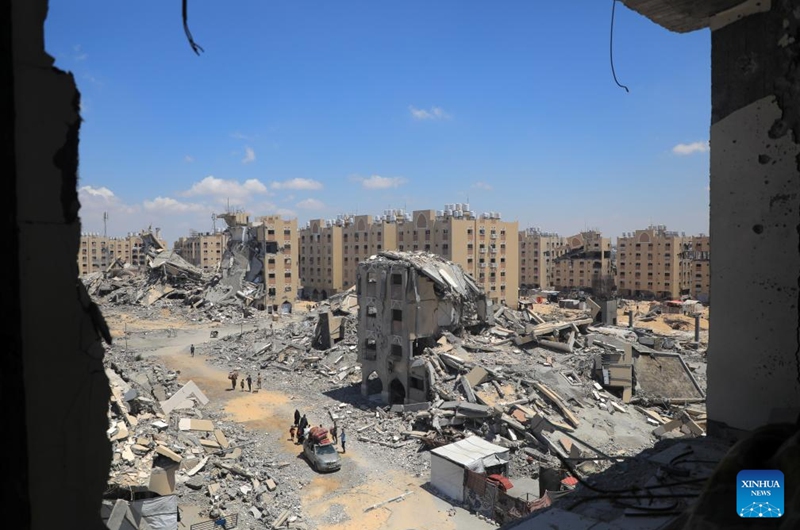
pixel 406 300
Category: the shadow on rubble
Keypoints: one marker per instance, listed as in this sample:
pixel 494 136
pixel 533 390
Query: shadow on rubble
pixel 352 396
pixel 655 487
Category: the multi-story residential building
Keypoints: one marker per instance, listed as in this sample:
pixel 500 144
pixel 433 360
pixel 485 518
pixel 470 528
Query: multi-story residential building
pixel 203 250
pixel 697 264
pixel 321 264
pixel 277 238
pixel 98 252
pixel 651 263
pixel 537 250
pixel 485 246
pixel 583 261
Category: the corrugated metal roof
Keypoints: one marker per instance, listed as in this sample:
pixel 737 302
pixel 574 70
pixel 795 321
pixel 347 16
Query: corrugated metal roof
pixel 469 450
pixel 680 16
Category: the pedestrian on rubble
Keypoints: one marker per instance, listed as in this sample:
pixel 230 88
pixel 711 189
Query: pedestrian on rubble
pixel 241 385
pixel 249 383
pixel 258 382
pixel 334 429
pixel 292 432
pixel 344 441
pixel 233 376
pixel 296 417
pixel 191 349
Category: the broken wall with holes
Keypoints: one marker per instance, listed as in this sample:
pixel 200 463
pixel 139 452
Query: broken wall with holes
pixel 401 311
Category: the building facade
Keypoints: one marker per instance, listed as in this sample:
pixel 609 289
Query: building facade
pixel 583 261
pixel 697 254
pixel 98 252
pixel 203 250
pixel 537 250
pixel 485 246
pixel 277 238
pixel 651 263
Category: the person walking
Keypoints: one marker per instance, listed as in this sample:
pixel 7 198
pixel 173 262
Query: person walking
pixel 191 349
pixel 333 434
pixel 249 383
pixel 296 417
pixel 344 441
pixel 258 382
pixel 233 376
pixel 241 385
pixel 292 432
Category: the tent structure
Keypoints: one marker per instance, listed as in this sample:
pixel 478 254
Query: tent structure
pixel 450 462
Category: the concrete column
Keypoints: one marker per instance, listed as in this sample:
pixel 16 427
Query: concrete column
pixel 754 354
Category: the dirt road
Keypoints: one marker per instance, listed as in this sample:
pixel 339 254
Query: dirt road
pixel 333 501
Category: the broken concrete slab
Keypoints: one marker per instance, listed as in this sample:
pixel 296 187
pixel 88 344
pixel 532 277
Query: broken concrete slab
pixel 187 391
pixel 192 424
pixel 169 453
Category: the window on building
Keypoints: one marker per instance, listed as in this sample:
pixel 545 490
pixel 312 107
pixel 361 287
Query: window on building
pixel 416 383
pixel 397 351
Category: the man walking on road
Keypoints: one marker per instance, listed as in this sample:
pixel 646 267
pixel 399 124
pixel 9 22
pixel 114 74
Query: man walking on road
pixel 191 349
pixel 258 382
pixel 344 441
pixel 233 376
pixel 296 417
pixel 334 430
pixel 249 383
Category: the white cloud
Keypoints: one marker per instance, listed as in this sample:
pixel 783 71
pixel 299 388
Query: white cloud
pixel 226 189
pixel 482 186
pixel 170 205
pixel 688 149
pixel 188 159
pixel 376 182
pixel 80 55
pixel 286 212
pixel 297 184
pixel 249 155
pixel 310 204
pixel 239 136
pixel 435 113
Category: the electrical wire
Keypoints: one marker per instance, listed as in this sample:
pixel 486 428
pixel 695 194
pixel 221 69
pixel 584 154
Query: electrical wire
pixel 192 43
pixel 611 55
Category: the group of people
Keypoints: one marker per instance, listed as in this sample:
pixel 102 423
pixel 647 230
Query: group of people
pixel 299 430
pixel 234 376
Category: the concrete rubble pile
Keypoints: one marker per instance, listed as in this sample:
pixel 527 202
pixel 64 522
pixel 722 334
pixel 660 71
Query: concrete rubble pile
pixel 173 453
pixel 168 280
pixel 554 387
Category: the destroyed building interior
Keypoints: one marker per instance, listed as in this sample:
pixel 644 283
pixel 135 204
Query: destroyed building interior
pixel 572 414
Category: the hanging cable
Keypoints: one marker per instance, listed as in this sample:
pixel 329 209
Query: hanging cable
pixel 610 45
pixel 192 43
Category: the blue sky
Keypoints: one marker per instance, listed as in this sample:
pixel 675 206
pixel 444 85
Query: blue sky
pixel 315 108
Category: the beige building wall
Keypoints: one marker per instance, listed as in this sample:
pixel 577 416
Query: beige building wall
pixel 581 261
pixel 650 262
pixel 452 236
pixel 321 259
pixel 203 250
pixel 699 264
pixel 97 252
pixel 537 250
pixel 281 273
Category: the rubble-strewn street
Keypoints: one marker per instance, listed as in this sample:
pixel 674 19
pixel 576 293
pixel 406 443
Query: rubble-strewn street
pixel 550 383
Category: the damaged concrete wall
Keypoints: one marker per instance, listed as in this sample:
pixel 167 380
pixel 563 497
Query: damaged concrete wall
pixel 753 356
pixel 66 393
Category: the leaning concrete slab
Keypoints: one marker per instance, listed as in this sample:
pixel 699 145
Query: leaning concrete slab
pixel 188 390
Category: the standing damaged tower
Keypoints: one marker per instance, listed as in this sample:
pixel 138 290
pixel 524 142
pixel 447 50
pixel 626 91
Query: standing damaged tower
pixel 406 300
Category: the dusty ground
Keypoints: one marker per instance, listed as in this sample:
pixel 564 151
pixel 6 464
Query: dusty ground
pixel 342 496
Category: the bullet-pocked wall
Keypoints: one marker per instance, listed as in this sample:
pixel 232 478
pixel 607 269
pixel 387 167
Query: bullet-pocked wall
pixel 53 383
pixel 754 349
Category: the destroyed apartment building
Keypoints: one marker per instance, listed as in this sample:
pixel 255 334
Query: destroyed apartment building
pixel 406 300
pixel 255 270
